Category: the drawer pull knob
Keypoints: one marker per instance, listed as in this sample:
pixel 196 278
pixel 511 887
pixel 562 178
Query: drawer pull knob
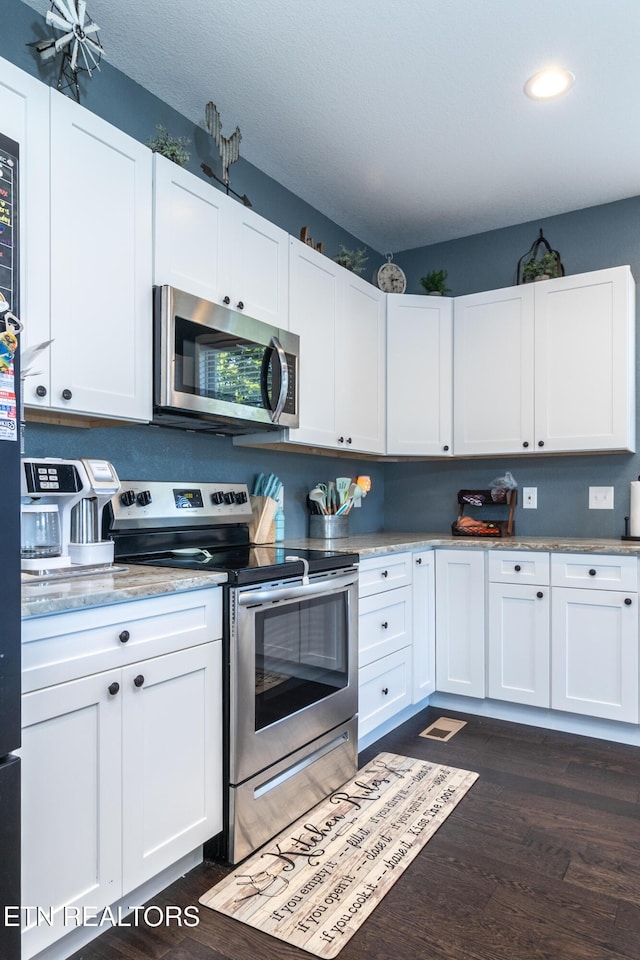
pixel 385 624
pixel 592 572
pixel 240 305
pixel 138 681
pixel 627 601
pixel 385 690
pixel 113 688
pixel 384 573
pixel 541 443
pixel 517 568
pixel 446 447
pixel 41 391
pixel 66 394
pixel 418 560
pixel 525 443
pixel 340 439
pixel 226 300
pixel 124 636
pixel 539 594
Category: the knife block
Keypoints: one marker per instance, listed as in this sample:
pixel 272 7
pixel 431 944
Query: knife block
pixel 262 528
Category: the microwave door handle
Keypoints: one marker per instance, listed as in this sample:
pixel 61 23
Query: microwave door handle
pixel 284 379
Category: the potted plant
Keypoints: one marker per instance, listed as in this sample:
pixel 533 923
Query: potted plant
pixel 542 268
pixel 435 283
pixel 353 260
pixel 173 148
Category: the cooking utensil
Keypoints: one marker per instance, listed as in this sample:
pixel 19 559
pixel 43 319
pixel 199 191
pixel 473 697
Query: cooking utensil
pixel 343 485
pixel 317 496
pixel 332 497
pixel 355 492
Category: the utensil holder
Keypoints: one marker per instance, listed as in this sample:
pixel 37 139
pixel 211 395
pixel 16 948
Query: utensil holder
pixel 328 527
pixel 262 527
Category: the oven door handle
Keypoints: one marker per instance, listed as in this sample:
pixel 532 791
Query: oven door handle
pixel 298 592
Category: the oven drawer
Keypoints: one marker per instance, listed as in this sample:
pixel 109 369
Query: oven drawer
pixel 267 803
pixel 384 624
pixel 384 573
pixel 384 689
pixel 67 646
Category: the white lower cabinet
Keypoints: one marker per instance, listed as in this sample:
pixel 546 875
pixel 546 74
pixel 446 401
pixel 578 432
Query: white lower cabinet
pixel 518 628
pixel 423 601
pixel 595 636
pixel 384 639
pixel 460 628
pixel 121 769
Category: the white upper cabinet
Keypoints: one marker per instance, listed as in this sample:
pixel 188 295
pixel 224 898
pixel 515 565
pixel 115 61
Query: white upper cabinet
pixel 100 266
pixel 546 367
pixel 340 319
pixel 585 362
pixel 85 268
pixel 419 375
pixel 214 247
pixel 24 113
pixel 493 335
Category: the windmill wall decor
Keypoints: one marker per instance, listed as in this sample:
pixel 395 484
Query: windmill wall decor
pixel 78 43
pixel 228 148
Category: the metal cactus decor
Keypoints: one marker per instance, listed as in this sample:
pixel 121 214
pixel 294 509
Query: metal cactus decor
pixel 228 148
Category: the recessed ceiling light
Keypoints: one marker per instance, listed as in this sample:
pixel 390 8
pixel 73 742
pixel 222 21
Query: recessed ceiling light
pixel 549 83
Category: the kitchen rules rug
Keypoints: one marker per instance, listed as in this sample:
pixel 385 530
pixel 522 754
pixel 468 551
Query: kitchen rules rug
pixel 315 883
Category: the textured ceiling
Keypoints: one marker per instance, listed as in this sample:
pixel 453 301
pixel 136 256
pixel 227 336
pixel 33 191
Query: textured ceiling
pixel 405 122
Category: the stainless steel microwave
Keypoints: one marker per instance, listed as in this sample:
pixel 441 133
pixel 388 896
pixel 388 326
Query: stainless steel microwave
pixel 219 370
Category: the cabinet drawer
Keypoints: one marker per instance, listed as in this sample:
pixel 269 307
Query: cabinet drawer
pixel 384 624
pixel 594 571
pixel 384 573
pixel 518 566
pixel 384 689
pixel 66 646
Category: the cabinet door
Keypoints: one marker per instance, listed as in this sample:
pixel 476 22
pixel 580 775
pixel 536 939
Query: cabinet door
pixel 259 267
pixel 493 372
pixel 518 643
pixel 314 293
pixel 594 665
pixel 419 375
pixel 585 362
pixel 71 801
pixel 100 266
pixel 360 366
pixel 190 232
pixel 460 666
pixel 24 109
pixel 424 625
pixel 172 758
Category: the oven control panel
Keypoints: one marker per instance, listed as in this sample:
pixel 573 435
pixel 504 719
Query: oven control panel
pixel 184 503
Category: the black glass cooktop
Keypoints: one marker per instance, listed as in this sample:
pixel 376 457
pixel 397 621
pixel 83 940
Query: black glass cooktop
pixel 245 564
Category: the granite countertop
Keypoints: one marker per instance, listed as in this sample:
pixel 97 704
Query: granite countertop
pixel 134 582
pixel 58 596
pixel 372 544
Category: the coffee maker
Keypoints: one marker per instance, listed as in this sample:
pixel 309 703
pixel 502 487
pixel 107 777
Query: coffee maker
pixel 62 503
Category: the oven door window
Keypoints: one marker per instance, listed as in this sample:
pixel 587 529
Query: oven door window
pixel 301 655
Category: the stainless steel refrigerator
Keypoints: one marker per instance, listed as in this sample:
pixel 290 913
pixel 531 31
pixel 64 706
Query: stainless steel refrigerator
pixel 9 552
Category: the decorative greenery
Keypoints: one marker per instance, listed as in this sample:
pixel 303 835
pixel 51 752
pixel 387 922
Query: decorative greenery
pixel 436 282
pixel 547 265
pixel 354 260
pixel 173 148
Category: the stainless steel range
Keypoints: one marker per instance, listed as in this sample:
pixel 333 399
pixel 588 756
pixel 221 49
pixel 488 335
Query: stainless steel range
pixel 290 650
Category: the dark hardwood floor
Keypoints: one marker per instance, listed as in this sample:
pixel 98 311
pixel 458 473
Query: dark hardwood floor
pixel 540 861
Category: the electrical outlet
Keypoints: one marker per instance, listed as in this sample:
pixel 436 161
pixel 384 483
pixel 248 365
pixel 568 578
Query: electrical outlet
pixel 529 498
pixel 600 498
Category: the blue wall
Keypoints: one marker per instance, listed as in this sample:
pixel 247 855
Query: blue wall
pixel 405 496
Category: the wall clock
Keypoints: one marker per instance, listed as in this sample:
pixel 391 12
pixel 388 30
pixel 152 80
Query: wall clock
pixel 390 277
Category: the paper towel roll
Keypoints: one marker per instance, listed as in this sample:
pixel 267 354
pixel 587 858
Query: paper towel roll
pixel 634 509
